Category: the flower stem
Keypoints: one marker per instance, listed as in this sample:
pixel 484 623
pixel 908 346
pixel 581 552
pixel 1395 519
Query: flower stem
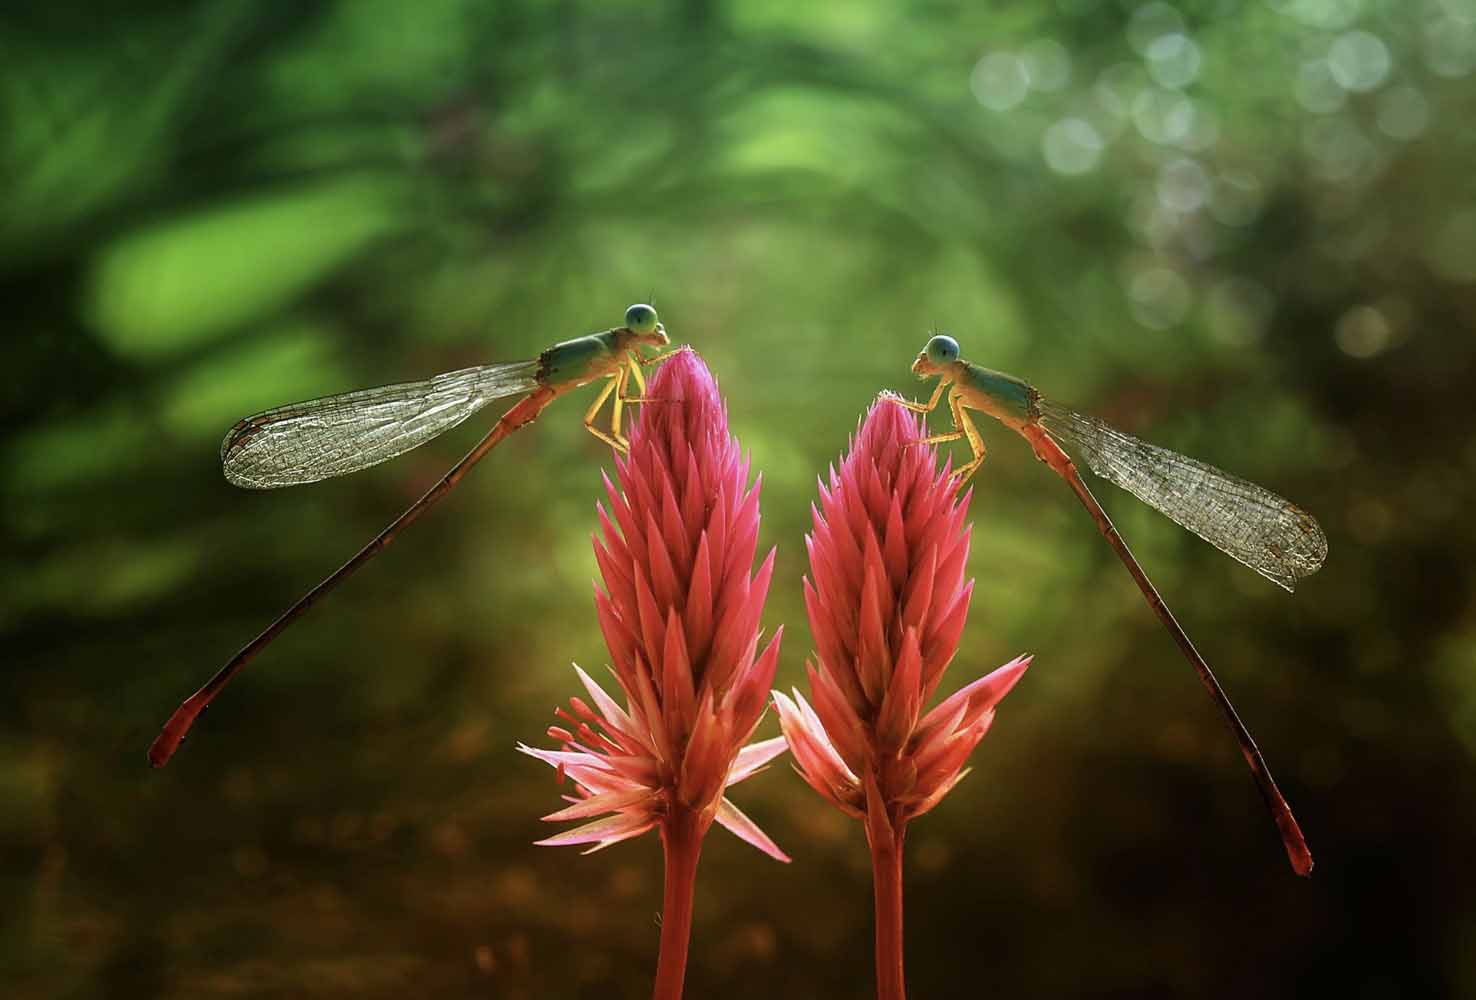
pixel 886 879
pixel 681 840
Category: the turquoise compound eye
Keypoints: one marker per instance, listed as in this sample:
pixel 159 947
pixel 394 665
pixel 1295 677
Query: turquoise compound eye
pixel 942 350
pixel 641 318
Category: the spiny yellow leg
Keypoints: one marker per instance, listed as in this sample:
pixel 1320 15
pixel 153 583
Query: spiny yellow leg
pixel 622 378
pixel 635 371
pixel 656 359
pixel 594 409
pixel 615 437
pixel 622 400
pixel 930 405
pixel 963 427
pixel 961 420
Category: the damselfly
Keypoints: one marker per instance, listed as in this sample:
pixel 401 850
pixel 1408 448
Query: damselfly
pixel 336 435
pixel 1272 536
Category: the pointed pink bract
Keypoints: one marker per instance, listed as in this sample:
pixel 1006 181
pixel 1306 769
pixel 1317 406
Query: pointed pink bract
pixel 887 600
pixel 680 610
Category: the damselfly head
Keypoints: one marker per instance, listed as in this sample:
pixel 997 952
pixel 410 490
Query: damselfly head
pixel 641 320
pixel 940 352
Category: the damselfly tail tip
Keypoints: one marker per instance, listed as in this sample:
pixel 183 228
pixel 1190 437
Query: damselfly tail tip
pixel 1302 863
pixel 1297 851
pixel 159 752
pixel 172 735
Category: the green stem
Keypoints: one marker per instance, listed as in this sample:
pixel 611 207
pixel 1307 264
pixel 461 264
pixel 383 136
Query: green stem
pixel 681 839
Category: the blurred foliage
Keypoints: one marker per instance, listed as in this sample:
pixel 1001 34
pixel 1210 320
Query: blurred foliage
pixel 1242 228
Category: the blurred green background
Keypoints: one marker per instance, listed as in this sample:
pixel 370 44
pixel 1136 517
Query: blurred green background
pixel 1245 229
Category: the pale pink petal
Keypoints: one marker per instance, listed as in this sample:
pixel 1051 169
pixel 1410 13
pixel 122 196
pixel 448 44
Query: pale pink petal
pixel 615 716
pixel 813 726
pixel 981 695
pixel 602 803
pixel 752 758
pixel 940 761
pixel 596 780
pixel 610 830
pixel 939 724
pixel 731 818
pixel 615 840
pixel 837 715
pixel 566 758
pixel 936 796
pixel 998 683
pixel 637 768
pixel 814 757
pixel 646 708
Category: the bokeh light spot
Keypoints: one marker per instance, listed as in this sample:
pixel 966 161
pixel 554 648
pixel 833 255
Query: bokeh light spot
pixel 1183 185
pixel 1160 297
pixel 1173 60
pixel 1463 11
pixel 1403 112
pixel 1071 146
pixel 1363 332
pixel 1204 130
pixel 1151 22
pixel 1452 254
pixel 1000 81
pixel 1047 65
pixel 1163 116
pixel 1316 88
pixel 1450 47
pixel 1339 150
pixel 1359 61
pixel 1330 14
pixel 1117 88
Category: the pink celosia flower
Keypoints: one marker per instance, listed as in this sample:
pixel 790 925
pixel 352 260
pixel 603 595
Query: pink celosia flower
pixel 680 614
pixel 887 606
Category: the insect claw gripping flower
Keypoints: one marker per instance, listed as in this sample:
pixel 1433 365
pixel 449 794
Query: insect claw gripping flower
pixel 887 606
pixel 680 614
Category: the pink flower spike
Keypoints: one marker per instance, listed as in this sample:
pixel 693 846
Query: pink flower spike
pixel 680 609
pixel 887 599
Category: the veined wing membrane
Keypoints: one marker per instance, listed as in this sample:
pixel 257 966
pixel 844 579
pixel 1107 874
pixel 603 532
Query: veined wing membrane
pixel 1272 536
pixel 336 435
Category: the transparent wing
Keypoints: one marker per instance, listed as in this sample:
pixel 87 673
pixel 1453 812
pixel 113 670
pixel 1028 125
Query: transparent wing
pixel 335 435
pixel 1272 536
